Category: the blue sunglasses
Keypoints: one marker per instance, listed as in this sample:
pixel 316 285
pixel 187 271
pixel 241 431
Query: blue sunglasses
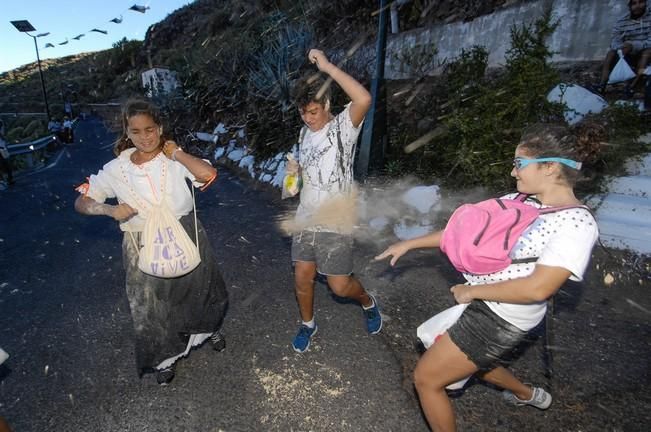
pixel 520 163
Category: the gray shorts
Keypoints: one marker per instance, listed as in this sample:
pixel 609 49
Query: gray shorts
pixel 332 252
pixel 485 338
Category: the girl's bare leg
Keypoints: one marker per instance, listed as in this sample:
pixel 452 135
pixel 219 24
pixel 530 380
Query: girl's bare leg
pixel 442 364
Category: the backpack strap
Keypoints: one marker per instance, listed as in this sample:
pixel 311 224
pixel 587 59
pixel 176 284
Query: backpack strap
pixel 301 135
pixel 524 260
pixel 523 197
pixel 548 355
pixel 561 208
pixel 548 211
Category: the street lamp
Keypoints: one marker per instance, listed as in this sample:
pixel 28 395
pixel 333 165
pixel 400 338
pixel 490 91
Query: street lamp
pixel 374 139
pixel 24 26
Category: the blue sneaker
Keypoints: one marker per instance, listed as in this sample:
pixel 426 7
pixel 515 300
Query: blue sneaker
pixel 302 339
pixel 373 318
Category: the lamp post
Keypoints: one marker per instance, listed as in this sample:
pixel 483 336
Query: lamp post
pixel 371 151
pixel 24 26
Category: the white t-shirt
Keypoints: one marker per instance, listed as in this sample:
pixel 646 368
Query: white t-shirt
pixel 326 159
pixel 560 239
pixel 140 186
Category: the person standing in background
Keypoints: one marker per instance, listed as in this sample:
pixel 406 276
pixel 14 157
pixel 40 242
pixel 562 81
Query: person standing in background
pixel 5 161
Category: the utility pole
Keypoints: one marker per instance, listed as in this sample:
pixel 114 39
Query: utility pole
pixel 374 136
pixel 40 72
pixel 24 26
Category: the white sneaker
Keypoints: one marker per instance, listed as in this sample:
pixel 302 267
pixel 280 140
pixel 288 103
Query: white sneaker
pixel 540 399
pixel 3 356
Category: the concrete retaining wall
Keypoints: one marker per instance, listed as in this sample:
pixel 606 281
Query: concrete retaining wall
pixel 583 34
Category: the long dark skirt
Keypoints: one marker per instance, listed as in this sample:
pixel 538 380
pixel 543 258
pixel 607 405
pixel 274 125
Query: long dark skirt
pixel 166 312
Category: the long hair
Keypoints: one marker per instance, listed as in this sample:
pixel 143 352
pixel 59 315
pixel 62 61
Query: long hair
pixel 131 108
pixel 581 143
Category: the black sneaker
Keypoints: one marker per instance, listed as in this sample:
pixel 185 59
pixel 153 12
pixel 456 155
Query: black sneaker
pixel 165 376
pixel 218 342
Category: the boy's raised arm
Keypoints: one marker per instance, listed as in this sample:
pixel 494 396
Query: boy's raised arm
pixel 360 97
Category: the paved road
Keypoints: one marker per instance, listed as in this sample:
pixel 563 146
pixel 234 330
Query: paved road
pixel 64 320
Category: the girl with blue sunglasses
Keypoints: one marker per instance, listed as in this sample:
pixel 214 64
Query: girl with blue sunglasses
pixel 505 306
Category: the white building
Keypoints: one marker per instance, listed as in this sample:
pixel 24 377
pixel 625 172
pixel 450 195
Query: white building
pixel 159 79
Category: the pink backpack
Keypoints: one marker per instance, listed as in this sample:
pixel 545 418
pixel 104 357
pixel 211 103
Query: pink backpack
pixel 479 237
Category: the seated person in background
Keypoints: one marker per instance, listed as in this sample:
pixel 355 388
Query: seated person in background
pixel 54 126
pixel 67 132
pixel 5 162
pixel 632 35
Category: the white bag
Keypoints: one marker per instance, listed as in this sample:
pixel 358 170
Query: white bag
pixel 167 250
pixel 622 71
pixel 434 327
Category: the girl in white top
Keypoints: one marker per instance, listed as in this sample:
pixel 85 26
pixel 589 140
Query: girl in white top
pixel 506 304
pixel 169 315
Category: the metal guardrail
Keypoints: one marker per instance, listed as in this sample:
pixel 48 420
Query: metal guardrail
pixel 33 149
pixel 25 114
pixel 32 146
pixel 37 147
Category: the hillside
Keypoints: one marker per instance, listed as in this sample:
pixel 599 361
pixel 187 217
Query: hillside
pixel 83 78
pixel 237 60
pixel 203 29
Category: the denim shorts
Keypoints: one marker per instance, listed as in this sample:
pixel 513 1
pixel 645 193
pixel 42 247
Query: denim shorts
pixel 486 339
pixel 332 252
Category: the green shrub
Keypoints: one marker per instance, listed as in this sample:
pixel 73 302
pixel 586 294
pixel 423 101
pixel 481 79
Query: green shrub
pixel 395 168
pixel 275 66
pixel 624 125
pixel 15 135
pixel 624 121
pixel 484 119
pixel 34 127
pixel 467 72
